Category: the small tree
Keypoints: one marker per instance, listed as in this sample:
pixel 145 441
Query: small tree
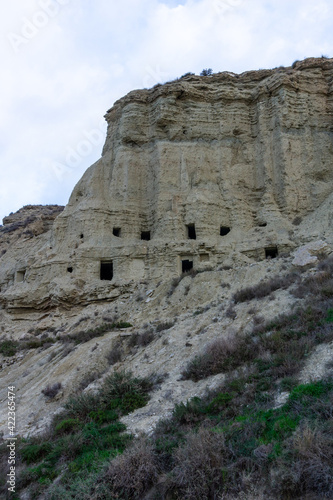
pixel 206 72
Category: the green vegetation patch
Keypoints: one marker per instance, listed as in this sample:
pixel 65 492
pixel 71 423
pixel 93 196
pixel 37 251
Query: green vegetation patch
pixel 82 438
pixel 8 347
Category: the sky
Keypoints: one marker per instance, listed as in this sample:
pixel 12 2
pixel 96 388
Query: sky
pixel 65 62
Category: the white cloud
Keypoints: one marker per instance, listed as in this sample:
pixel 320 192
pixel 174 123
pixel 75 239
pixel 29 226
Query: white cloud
pixel 56 87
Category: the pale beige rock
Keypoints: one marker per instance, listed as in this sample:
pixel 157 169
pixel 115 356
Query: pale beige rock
pixel 308 254
pixel 249 152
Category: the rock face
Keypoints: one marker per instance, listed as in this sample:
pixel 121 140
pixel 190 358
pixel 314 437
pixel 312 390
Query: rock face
pixel 200 172
pixel 308 254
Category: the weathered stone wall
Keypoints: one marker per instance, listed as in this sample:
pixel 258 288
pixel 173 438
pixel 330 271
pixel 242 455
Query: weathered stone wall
pixel 251 152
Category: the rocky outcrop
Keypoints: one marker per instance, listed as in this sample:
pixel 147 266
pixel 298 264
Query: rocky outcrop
pixel 201 172
pixel 29 221
pixel 308 254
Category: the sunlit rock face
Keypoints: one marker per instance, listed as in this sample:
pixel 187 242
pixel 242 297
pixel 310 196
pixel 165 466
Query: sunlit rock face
pixel 197 173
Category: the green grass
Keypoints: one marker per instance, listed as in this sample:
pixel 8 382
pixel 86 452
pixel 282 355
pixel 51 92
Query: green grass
pixel 83 438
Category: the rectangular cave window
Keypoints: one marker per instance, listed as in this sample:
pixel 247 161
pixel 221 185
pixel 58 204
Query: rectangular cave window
pixel 187 265
pixel 271 252
pixel 20 276
pixel 191 234
pixel 145 235
pixel 106 272
pixel 117 231
pixel 224 230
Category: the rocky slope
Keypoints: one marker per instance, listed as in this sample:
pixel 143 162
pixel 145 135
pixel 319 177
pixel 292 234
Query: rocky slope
pixel 251 153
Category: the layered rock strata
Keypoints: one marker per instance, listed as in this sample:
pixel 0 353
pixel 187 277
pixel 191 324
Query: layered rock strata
pixel 197 173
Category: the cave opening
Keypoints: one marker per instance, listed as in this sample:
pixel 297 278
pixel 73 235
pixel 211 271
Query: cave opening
pixel 191 234
pixel 271 252
pixel 187 265
pixel 224 230
pixel 106 271
pixel 145 235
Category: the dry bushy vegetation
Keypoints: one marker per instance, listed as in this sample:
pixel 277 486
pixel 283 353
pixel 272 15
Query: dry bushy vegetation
pixel 233 443
pixel 265 288
pixel 51 391
pixel 223 354
pixel 132 474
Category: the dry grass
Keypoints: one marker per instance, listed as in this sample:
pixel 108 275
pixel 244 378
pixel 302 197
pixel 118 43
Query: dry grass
pixel 51 391
pixel 132 474
pixel 265 288
pixel 311 466
pixel 142 339
pixel 115 354
pixel 222 355
pixel 199 466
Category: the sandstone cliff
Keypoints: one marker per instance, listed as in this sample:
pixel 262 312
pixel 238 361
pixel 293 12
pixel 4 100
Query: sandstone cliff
pixel 200 172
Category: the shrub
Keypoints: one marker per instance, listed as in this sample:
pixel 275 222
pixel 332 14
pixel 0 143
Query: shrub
pixel 67 426
pixel 8 347
pixel 81 405
pixel 88 379
pixel 86 335
pixel 164 326
pixel 297 221
pixel 141 339
pixel 222 355
pixel 32 453
pixel 102 416
pixel 306 465
pixel 199 470
pixel 231 312
pixel 51 391
pixel 265 288
pixel 132 474
pixel 115 354
pixel 206 72
pixel 124 391
pixel 187 74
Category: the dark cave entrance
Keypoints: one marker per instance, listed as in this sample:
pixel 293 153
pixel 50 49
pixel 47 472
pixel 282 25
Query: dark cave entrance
pixel 224 230
pixel 106 271
pixel 145 235
pixel 187 265
pixel 271 252
pixel 191 234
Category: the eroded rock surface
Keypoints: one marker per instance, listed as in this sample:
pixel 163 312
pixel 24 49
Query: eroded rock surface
pixel 227 175
pixel 193 173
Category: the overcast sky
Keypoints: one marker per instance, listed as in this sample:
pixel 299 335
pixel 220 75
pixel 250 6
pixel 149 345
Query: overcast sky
pixel 65 62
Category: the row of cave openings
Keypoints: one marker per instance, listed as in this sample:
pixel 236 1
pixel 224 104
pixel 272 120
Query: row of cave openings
pixel 190 230
pixel 106 268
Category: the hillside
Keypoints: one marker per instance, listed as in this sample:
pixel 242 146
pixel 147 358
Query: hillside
pixel 185 292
